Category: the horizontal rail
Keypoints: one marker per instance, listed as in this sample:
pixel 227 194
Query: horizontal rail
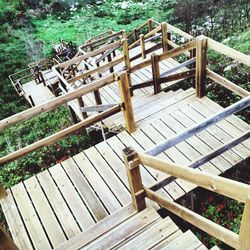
pixel 235 190
pixel 227 84
pixel 98 69
pixel 227 51
pixel 179 32
pixel 221 233
pixel 59 135
pixel 236 107
pixel 50 105
pixel 89 54
pixel 99 35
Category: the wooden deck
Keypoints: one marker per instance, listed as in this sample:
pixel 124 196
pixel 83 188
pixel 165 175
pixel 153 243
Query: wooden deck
pixel 59 203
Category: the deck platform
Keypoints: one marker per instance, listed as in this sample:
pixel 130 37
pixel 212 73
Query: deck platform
pixel 68 198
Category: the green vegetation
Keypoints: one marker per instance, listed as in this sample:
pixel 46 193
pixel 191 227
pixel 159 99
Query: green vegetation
pixel 29 28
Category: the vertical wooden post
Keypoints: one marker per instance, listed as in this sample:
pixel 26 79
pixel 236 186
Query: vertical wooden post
pixel 3 192
pixel 164 37
pixel 134 178
pixel 200 75
pixel 150 25
pixel 123 84
pixel 109 60
pixel 98 98
pixel 244 236
pixel 135 34
pixel 5 241
pixel 143 55
pixel 81 104
pixel 73 116
pixel 155 72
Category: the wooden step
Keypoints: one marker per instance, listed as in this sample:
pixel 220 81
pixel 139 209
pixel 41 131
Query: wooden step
pixel 187 241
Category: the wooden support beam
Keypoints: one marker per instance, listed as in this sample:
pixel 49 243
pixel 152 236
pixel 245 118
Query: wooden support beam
pixel 134 178
pixel 150 25
pixel 124 89
pixel 232 189
pixel 236 107
pixel 3 192
pixel 6 243
pixel 73 115
pixel 244 236
pixel 201 57
pixel 97 108
pixel 221 233
pixel 155 72
pixel 81 104
pixel 98 98
pixel 59 135
pixel 164 36
pixel 142 42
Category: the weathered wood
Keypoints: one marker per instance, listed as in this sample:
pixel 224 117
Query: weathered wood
pixel 224 186
pixel 97 108
pixel 124 90
pixel 59 135
pixel 142 42
pixel 3 192
pixel 201 126
pixel 98 98
pixel 200 76
pixel 6 243
pixel 164 36
pixel 155 73
pixel 134 178
pixel 227 51
pixel 81 105
pixel 25 115
pixel 180 32
pixel 150 25
pixel 142 85
pixel 227 84
pixel 244 239
pixel 197 220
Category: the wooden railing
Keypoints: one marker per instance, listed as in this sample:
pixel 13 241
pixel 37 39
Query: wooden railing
pixel 220 185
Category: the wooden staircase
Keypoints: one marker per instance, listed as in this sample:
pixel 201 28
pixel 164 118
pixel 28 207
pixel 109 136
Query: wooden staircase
pixel 127 229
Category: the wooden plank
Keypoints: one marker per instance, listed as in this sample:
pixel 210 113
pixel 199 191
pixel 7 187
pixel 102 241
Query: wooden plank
pixel 201 126
pixel 98 184
pixel 125 230
pixel 107 174
pixel 76 205
pixel 180 32
pixel 28 213
pixel 227 84
pixel 15 223
pixel 204 224
pixel 152 236
pixel 84 189
pixel 58 204
pixel 46 214
pixel 88 236
pixel 227 51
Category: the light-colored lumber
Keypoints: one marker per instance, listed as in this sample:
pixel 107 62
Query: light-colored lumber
pixel 204 224
pixel 224 186
pixel 227 51
pixel 244 239
pixel 227 84
pixel 30 218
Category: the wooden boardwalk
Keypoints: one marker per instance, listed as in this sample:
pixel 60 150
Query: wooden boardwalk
pixel 59 203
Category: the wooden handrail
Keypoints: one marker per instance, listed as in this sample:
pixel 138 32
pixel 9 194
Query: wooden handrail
pixel 227 51
pixel 236 107
pixel 227 84
pixel 221 233
pixel 50 105
pixel 179 32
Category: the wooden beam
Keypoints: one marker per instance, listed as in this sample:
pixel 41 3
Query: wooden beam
pixel 164 36
pixel 124 89
pixel 179 32
pixel 3 192
pixel 59 135
pixel 201 58
pixel 227 51
pixel 244 239
pixel 142 85
pixel 217 184
pixel 155 72
pixel 236 107
pixel 134 178
pixel 6 243
pixel 97 108
pixel 178 76
pixel 142 43
pixel 227 84
pixel 50 105
pixel 221 233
